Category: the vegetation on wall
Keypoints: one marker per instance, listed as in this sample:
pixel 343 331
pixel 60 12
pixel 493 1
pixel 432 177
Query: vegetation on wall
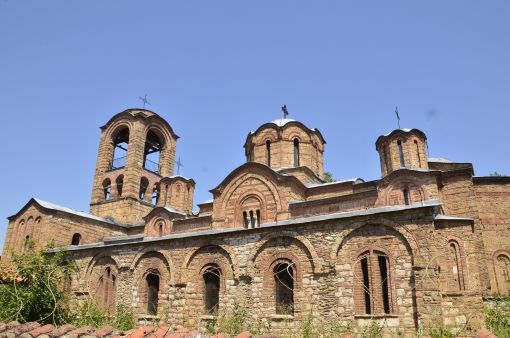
pixel 497 316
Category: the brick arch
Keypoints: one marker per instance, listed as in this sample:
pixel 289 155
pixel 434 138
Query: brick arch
pixel 462 259
pixel 228 254
pixel 310 250
pixel 238 217
pixel 165 257
pixel 151 262
pixel 117 126
pixel 229 191
pixel 495 255
pixel 94 261
pixel 105 292
pixel 410 241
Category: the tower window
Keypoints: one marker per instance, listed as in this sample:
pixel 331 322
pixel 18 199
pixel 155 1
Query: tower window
pixel 119 181
pixel 418 152
pixel 155 195
pixel 401 153
pixel 268 152
pixel 152 152
pixel 406 196
pixel 152 293
pixel 121 144
pixel 76 239
pixel 144 184
pixel 107 187
pixel 211 278
pixel 296 152
pixel 284 288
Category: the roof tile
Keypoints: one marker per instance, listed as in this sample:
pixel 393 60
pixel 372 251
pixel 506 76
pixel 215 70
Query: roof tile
pixel 104 331
pixel 160 332
pixel 80 332
pixel 62 330
pixel 42 330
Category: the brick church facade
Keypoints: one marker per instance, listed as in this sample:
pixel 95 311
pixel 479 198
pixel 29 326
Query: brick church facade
pixel 424 246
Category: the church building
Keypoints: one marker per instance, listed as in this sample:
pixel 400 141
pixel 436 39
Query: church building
pixel 424 246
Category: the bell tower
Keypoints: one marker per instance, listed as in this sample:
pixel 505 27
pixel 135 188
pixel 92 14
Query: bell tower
pixel 136 149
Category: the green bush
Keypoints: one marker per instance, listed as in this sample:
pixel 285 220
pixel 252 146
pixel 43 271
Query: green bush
pixel 497 316
pixel 89 313
pixel 36 290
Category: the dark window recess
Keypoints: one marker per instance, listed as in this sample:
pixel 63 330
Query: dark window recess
pixel 76 239
pixel 119 182
pixel 212 290
pixel 366 285
pixel 121 144
pixel 245 219
pixel 144 184
pixel 268 153
pixel 401 153
pixel 152 152
pixel 152 294
pixel 296 152
pixel 406 197
pixel 284 288
pixel 383 268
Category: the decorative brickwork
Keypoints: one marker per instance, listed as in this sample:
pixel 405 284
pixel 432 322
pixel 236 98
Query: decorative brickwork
pixel 422 247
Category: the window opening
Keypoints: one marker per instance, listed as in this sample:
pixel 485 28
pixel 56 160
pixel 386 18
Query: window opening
pixel 252 219
pixel 121 144
pixel 406 196
pixel 258 218
pixel 418 152
pixel 284 288
pixel 76 239
pixel 211 278
pixel 155 195
pixel 296 152
pixel 152 152
pixel 119 182
pixel 152 293
pixel 383 268
pixel 457 274
pixel 144 184
pixel 268 153
pixel 107 188
pixel 401 153
pixel 245 219
pixel 366 285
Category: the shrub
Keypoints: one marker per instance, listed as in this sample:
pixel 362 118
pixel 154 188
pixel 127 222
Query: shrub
pixel 497 316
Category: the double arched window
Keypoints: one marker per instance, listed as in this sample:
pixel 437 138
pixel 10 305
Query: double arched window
pixel 373 283
pixel 251 219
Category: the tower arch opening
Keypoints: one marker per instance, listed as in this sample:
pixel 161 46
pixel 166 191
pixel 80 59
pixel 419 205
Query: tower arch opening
pixel 152 152
pixel 120 148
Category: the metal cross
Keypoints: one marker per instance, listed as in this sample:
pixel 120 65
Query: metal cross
pixel 179 165
pixel 285 111
pixel 144 100
pixel 398 116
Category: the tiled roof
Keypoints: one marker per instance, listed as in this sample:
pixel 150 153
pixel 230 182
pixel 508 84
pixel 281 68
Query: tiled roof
pixel 34 329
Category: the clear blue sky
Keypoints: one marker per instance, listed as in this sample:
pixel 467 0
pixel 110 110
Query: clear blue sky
pixel 218 69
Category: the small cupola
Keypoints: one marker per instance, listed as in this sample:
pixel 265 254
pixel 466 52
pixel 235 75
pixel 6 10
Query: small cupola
pixel 286 143
pixel 402 148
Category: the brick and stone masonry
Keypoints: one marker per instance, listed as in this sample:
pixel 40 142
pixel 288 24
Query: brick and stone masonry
pixel 423 246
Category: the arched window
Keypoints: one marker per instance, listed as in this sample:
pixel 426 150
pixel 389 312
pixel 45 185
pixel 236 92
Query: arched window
pixel 159 228
pixel 503 273
pixel 418 152
pixel 144 184
pixel 106 290
pixel 121 144
pixel 284 288
pixel 155 194
pixel 107 188
pixel 76 239
pixel 119 182
pixel 152 152
pixel 456 269
pixel 268 153
pixel 245 219
pixel 296 152
pixel 211 277
pixel 152 293
pixel 401 153
pixel 406 196
pixel 258 218
pixel 373 283
pixel 252 219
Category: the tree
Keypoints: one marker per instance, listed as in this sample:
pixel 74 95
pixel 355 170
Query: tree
pixel 328 177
